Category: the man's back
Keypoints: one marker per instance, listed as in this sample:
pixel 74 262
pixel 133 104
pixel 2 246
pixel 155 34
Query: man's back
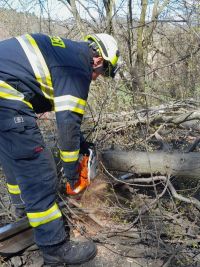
pixel 32 63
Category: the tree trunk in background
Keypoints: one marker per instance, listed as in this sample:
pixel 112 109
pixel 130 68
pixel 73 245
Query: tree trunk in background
pixel 144 39
pixel 140 67
pixel 130 31
pixel 109 4
pixel 77 17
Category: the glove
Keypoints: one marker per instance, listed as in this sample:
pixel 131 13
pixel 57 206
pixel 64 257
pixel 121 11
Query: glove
pixel 73 181
pixel 71 174
pixel 84 147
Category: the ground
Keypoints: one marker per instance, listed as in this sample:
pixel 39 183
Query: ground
pixel 166 235
pixel 110 252
pixel 91 218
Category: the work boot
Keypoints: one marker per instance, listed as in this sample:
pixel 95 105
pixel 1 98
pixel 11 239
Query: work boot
pixel 69 252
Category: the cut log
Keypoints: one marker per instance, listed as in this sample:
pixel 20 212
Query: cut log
pixel 145 163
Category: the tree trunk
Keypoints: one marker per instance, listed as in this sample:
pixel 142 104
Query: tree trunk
pixel 145 163
pixel 77 17
pixel 109 9
pixel 140 67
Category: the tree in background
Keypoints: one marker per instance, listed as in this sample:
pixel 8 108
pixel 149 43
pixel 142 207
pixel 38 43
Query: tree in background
pixel 159 40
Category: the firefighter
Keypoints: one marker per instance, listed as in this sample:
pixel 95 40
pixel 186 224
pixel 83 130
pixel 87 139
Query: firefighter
pixel 40 73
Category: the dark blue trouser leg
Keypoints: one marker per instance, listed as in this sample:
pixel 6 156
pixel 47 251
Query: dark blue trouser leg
pixel 23 151
pixel 12 185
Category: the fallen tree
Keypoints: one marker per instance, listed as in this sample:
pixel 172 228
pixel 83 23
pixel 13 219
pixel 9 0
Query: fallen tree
pixel 147 163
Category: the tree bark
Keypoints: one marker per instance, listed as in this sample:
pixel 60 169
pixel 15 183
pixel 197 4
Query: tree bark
pixel 109 9
pixel 76 15
pixel 140 66
pixel 145 163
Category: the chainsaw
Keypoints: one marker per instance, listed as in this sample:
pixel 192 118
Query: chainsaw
pixel 87 169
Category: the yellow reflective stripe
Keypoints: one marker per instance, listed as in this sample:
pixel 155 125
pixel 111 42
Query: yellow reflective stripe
pixel 38 64
pixel 69 156
pixel 13 189
pixel 39 218
pixel 69 102
pixel 8 92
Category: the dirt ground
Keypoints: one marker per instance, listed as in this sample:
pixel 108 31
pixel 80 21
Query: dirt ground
pixel 108 254
pixel 95 218
pixel 104 258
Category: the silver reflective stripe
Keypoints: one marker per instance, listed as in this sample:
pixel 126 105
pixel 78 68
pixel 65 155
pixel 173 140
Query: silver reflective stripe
pixel 38 218
pixel 8 92
pixel 69 102
pixel 42 219
pixel 38 64
pixel 12 92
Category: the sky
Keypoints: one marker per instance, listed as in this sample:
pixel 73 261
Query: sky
pixel 59 11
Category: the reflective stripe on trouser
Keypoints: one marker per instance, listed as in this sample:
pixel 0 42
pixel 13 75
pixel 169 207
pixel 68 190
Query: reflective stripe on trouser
pixel 15 195
pixel 13 188
pixel 39 218
pixel 35 174
pixel 69 156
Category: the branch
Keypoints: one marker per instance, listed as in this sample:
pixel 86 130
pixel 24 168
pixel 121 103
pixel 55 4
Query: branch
pixel 189 200
pixel 174 62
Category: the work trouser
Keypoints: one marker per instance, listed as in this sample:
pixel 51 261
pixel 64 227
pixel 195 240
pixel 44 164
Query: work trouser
pixel 31 175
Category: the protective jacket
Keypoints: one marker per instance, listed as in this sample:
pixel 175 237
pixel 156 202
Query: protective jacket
pixel 40 73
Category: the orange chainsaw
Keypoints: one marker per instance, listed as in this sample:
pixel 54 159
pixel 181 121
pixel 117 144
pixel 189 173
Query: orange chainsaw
pixel 87 169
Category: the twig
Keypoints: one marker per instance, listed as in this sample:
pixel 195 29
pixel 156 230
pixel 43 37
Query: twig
pixel 187 242
pixel 194 145
pixel 167 263
pixel 85 212
pixel 190 200
pixel 88 213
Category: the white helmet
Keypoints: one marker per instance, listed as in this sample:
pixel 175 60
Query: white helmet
pixel 106 46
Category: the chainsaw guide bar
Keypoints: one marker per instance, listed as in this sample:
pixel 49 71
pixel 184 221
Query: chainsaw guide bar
pixel 15 237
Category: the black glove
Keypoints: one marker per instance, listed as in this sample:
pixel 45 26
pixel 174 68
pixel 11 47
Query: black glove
pixel 73 181
pixel 71 173
pixel 84 147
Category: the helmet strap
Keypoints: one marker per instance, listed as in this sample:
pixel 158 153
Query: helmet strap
pixel 99 69
pixel 94 50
